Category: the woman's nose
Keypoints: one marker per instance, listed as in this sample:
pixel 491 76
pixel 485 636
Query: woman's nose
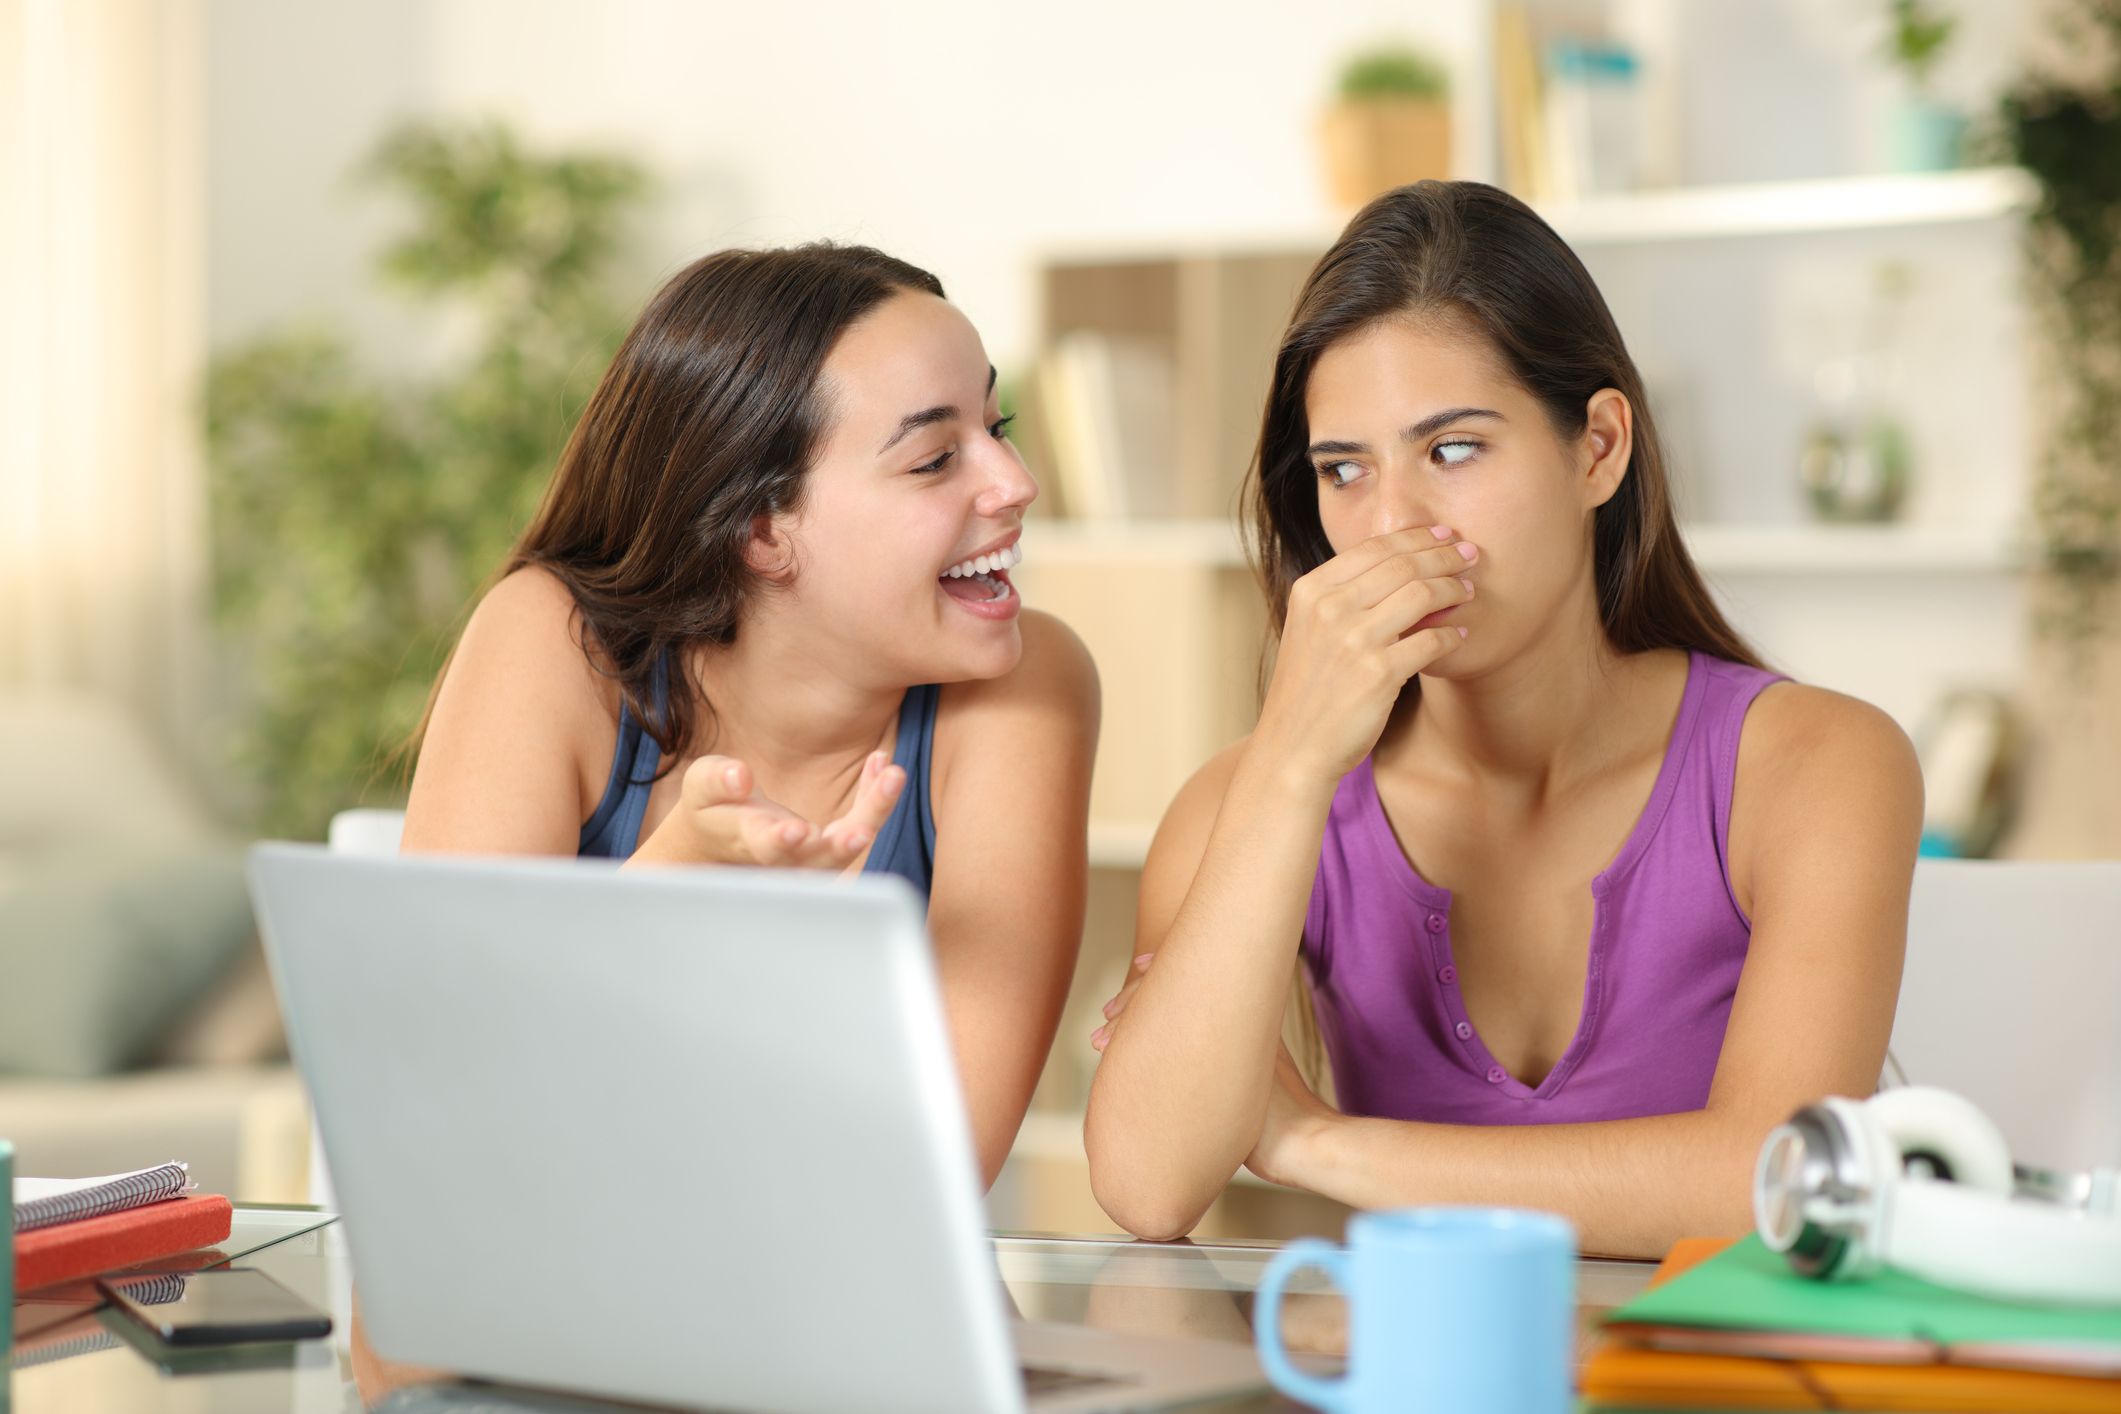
pixel 1399 505
pixel 1010 487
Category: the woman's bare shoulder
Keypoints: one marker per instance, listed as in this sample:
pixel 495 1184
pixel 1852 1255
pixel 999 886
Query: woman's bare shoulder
pixel 1795 732
pixel 1182 835
pixel 522 728
pixel 1824 781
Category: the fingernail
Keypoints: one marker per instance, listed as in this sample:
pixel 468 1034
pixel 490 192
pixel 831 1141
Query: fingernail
pixel 1461 633
pixel 857 840
pixel 1467 583
pixel 729 778
pixel 1143 960
pixel 1097 1037
pixel 1441 532
pixel 1107 1008
pixel 1467 551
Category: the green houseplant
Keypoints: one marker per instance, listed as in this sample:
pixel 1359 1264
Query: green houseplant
pixel 353 516
pixel 2069 138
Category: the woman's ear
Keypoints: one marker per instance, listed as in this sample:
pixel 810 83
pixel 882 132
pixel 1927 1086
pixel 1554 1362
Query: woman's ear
pixel 768 550
pixel 1609 439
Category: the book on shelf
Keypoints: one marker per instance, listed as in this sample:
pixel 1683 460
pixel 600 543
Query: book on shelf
pixel 1728 1325
pixel 1110 404
pixel 1574 115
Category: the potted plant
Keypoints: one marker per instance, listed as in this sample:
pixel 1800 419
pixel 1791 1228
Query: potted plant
pixel 1390 126
pixel 2068 135
pixel 1926 133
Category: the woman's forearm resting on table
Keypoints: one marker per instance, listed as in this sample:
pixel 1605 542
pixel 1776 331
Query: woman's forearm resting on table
pixel 1632 1186
pixel 1181 1092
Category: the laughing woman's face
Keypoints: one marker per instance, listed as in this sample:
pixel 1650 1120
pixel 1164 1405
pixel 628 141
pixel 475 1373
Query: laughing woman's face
pixel 899 557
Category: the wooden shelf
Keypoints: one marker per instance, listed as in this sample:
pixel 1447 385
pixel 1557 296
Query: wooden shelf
pixel 1780 208
pixel 1717 549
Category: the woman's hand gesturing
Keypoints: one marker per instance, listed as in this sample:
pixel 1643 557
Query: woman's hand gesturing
pixel 1351 642
pixel 723 818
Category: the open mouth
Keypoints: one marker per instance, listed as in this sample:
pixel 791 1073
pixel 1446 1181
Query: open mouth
pixel 983 579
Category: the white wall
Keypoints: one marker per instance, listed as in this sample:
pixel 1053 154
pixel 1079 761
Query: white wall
pixel 960 135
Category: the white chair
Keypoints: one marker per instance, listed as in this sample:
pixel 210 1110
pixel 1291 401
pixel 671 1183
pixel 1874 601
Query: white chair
pixel 366 831
pixel 2012 997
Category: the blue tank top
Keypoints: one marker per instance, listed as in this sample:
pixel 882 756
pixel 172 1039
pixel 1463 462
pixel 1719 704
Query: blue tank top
pixel 905 846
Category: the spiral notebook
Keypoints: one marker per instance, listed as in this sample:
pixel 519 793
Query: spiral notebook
pixel 47 1202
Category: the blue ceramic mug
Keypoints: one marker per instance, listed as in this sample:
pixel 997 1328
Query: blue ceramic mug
pixel 1448 1309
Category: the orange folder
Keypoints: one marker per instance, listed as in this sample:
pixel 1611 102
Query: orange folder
pixel 93 1245
pixel 1622 1375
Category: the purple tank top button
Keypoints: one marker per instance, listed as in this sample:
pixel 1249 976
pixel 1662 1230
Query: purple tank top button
pixel 1496 1075
pixel 1436 923
pixel 1464 1030
pixel 1447 974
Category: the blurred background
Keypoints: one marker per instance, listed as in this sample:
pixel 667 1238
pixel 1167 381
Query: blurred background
pixel 299 300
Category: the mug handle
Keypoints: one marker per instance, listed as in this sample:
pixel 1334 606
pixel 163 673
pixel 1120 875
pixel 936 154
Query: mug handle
pixel 1266 1320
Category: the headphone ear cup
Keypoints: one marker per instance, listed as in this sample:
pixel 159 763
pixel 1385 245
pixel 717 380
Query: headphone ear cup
pixel 1949 1131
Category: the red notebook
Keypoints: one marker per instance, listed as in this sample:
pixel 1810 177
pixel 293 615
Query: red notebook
pixel 92 1245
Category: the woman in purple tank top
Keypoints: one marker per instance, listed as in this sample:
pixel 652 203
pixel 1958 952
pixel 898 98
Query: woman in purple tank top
pixel 1586 898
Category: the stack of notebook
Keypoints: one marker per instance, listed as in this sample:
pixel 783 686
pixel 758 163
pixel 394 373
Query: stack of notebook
pixel 76 1227
pixel 1727 1325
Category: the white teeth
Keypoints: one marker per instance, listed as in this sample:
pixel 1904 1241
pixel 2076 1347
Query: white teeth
pixel 1007 558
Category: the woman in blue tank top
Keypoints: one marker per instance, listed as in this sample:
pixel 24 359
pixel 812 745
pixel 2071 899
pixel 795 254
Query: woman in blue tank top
pixel 764 617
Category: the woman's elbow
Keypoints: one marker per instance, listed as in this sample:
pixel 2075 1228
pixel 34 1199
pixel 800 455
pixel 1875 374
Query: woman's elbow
pixel 1152 1207
pixel 1142 1210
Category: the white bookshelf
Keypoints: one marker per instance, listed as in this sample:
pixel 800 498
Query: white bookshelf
pixel 1793 208
pixel 1855 549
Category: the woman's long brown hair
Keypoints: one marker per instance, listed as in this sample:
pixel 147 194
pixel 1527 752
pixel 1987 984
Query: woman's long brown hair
pixel 707 419
pixel 1470 253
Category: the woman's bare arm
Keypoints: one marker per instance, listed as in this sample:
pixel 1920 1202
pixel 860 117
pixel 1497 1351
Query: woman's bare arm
pixel 1011 791
pixel 1825 819
pixel 1182 1091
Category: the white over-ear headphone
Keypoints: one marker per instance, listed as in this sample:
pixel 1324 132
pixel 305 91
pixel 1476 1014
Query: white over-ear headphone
pixel 1918 1178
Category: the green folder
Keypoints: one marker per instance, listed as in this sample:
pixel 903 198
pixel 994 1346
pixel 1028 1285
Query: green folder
pixel 1748 1288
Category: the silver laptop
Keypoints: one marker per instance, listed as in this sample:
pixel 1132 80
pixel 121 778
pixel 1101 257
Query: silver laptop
pixel 687 1137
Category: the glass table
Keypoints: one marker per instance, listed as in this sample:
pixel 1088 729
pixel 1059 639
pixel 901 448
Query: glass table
pixel 75 1358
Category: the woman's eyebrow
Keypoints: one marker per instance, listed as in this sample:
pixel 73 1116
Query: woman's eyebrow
pixel 1414 433
pixel 927 417
pixel 1438 420
pixel 1338 449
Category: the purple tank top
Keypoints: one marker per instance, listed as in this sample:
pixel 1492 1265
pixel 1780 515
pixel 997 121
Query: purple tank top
pixel 1667 944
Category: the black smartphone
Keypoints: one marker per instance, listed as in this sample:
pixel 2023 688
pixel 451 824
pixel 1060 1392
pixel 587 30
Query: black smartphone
pixel 224 1306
